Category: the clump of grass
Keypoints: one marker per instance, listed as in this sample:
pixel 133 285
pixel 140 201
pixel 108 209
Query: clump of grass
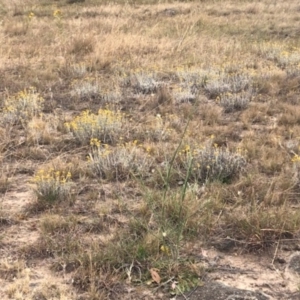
pixel 19 285
pixel 157 130
pixel 195 80
pixel 79 70
pixel 284 57
pixel 125 256
pixel 111 97
pixel 16 29
pixel 234 102
pixel 82 45
pixel 10 269
pixel 212 163
pixel 184 96
pixel 176 214
pixel 227 83
pixel 41 131
pixel 289 59
pixel 290 117
pixel 85 89
pixel 293 71
pixel 22 107
pixel 55 224
pixel 133 256
pixel 210 114
pixel 52 185
pixel 258 228
pixel 90 89
pixel 106 126
pixel 145 83
pixel 119 163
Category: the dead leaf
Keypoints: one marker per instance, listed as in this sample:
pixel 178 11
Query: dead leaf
pixel 155 276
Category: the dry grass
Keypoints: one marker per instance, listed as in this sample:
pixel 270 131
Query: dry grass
pixel 146 126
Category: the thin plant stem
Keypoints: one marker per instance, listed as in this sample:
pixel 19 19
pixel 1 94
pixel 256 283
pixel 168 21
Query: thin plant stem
pixel 167 181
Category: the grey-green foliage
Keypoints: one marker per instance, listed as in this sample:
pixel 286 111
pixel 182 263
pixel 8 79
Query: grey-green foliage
pixel 213 163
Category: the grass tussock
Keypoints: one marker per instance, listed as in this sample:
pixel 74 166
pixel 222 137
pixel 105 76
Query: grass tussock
pixel 22 107
pixel 212 163
pixel 106 126
pixel 52 185
pixel 119 163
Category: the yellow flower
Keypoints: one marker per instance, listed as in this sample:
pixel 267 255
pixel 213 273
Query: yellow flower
pixel 57 13
pixel 296 158
pixel 31 15
pixel 187 148
pixel 165 249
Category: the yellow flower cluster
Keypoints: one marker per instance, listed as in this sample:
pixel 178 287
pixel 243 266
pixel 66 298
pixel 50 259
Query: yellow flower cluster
pixel 52 176
pixel 296 158
pixel 52 185
pixel 22 106
pixel 95 142
pixel 99 149
pixel 31 15
pixel 57 14
pixel 103 126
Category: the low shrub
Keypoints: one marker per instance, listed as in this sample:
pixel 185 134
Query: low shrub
pixel 106 126
pixel 120 162
pixel 211 163
pixel 21 107
pixel 52 185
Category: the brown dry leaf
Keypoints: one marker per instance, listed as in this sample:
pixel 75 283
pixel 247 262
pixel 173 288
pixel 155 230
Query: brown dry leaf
pixel 155 276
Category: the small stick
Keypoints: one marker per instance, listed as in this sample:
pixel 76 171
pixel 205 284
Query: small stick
pixel 275 253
